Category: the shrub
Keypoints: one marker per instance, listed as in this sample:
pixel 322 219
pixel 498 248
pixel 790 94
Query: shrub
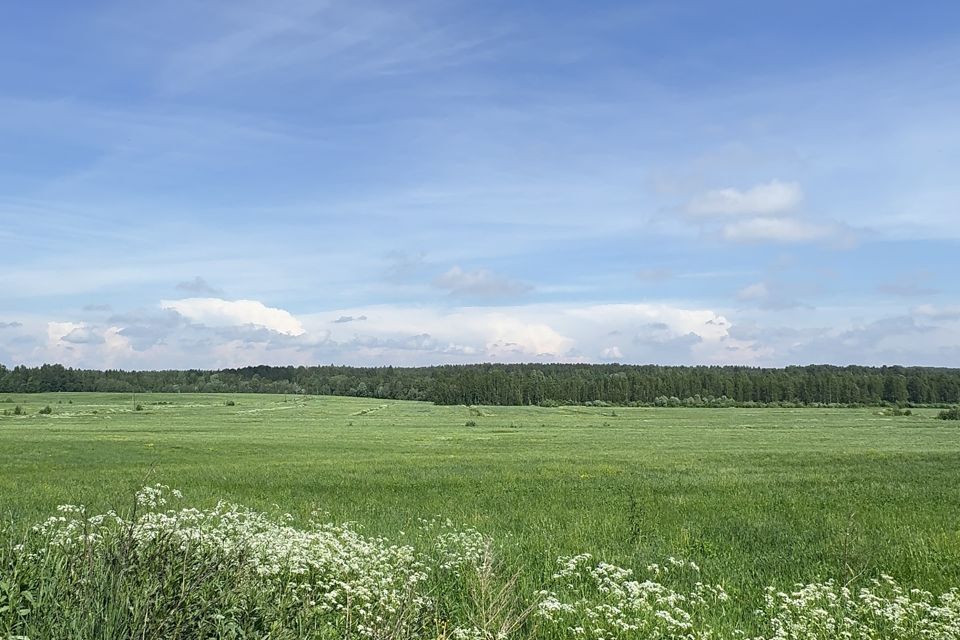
pixel 470 423
pixel 139 407
pixel 47 410
pixel 230 403
pixel 952 413
pixel 19 411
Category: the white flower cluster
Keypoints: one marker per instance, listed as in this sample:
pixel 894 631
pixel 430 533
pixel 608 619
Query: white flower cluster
pixel 156 496
pixel 456 548
pixel 360 584
pixel 602 601
pixel 826 610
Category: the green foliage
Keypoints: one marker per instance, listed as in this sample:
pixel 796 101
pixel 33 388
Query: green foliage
pixel 138 407
pixel 19 411
pixel 545 385
pixel 953 413
pixel 470 423
pixel 229 403
pixel 47 410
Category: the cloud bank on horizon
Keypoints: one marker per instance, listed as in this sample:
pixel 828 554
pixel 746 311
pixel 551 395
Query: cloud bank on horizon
pixel 368 183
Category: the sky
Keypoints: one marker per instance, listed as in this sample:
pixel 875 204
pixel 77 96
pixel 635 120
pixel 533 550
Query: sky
pixel 221 184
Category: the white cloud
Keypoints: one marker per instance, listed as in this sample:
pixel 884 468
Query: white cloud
pixel 83 335
pixel 216 312
pixel 769 198
pixel 57 331
pixel 781 230
pixel 509 335
pixel 755 291
pixel 938 312
pixel 479 282
pixel 612 353
pixel 220 333
pixel 775 295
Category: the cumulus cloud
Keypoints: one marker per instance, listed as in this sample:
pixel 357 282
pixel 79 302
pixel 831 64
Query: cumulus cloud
pixel 198 285
pixel 514 336
pixel 768 198
pixel 57 330
pixel 216 312
pixel 146 328
pixel 221 334
pixel 612 353
pixel 480 283
pixel 84 335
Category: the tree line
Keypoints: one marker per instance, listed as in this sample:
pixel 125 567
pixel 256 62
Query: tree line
pixel 530 384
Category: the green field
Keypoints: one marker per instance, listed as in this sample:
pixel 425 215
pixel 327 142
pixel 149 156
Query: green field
pixel 755 496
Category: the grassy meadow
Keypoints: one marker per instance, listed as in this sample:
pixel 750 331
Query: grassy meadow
pixel 755 497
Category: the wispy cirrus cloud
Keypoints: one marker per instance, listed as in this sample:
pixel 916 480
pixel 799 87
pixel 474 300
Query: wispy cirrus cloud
pixel 768 198
pixel 198 285
pixel 909 285
pixel 479 283
pixel 767 212
pixel 786 230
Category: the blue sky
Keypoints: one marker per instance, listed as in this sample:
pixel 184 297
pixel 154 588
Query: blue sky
pixel 218 184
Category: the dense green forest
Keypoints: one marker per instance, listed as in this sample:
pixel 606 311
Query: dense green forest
pixel 522 384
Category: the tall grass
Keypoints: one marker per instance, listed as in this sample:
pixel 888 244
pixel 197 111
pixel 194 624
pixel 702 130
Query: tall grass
pixel 155 571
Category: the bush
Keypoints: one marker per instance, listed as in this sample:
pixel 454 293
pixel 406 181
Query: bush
pixel 47 410
pixel 470 423
pixel 952 413
pixel 139 407
pixel 19 411
pixel 230 403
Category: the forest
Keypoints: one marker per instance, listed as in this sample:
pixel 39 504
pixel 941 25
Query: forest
pixel 530 384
